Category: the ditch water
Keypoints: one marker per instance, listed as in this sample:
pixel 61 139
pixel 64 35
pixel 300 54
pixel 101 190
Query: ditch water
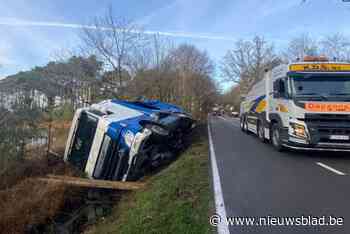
pixel 82 208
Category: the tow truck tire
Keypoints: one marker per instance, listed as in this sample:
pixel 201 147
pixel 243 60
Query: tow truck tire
pixel 276 137
pixel 246 130
pixel 245 125
pixel 261 132
pixel 242 123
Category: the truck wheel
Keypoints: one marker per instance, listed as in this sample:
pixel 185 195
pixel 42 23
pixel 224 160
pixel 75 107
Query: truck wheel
pixel 245 126
pixel 276 137
pixel 261 132
pixel 242 123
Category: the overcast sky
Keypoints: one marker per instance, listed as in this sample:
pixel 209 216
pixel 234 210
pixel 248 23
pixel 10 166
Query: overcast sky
pixel 31 30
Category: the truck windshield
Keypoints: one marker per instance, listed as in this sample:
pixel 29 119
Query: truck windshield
pixel 84 136
pixel 321 86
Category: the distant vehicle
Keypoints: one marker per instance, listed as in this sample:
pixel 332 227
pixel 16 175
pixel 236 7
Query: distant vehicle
pixel 234 114
pixel 216 111
pixel 121 140
pixel 303 106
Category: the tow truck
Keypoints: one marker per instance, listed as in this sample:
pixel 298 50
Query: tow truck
pixel 303 105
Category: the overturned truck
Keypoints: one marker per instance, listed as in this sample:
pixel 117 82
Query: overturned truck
pixel 121 140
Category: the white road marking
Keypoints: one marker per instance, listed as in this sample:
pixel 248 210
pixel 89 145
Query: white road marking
pixel 219 200
pixel 237 125
pixel 330 168
pixel 234 122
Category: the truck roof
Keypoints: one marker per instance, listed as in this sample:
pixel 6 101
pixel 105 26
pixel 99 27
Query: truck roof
pixel 117 110
pixel 311 67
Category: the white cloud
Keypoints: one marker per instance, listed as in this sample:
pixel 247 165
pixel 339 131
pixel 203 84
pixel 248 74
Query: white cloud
pixel 25 23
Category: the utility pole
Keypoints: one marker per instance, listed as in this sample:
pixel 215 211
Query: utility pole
pixel 49 110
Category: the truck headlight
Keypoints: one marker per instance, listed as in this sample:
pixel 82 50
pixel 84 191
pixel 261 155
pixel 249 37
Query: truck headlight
pixel 129 138
pixel 138 139
pixel 298 130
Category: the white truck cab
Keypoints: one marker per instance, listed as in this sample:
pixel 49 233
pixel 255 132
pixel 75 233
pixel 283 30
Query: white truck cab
pixel 303 106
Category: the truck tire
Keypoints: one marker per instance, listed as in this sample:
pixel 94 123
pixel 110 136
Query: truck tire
pixel 242 123
pixel 245 126
pixel 276 137
pixel 261 132
pixel 246 130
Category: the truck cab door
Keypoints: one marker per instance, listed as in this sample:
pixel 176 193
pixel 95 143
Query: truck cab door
pixel 280 105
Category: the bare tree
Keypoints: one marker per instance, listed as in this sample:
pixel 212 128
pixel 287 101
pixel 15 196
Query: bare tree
pixel 3 116
pixel 232 97
pixel 154 73
pixel 155 64
pixel 152 55
pixel 180 75
pixel 336 46
pixel 194 70
pixel 246 62
pixel 299 47
pixel 72 78
pixel 113 40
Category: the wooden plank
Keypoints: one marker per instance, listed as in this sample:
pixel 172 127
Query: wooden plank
pixel 55 154
pixel 90 183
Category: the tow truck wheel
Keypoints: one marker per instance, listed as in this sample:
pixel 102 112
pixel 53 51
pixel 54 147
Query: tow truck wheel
pixel 246 126
pixel 242 123
pixel 261 132
pixel 276 137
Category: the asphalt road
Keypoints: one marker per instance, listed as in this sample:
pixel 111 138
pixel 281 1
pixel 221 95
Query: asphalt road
pixel 257 181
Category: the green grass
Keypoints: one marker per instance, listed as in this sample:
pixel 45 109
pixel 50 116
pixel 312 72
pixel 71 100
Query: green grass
pixel 176 200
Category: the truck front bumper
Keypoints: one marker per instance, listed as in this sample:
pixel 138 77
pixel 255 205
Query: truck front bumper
pixel 321 146
pixel 297 143
pixel 315 148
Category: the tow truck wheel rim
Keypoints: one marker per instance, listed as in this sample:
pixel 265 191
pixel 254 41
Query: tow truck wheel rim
pixel 245 125
pixel 261 132
pixel 275 137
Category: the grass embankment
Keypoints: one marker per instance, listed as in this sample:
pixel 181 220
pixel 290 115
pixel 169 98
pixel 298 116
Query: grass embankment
pixel 176 200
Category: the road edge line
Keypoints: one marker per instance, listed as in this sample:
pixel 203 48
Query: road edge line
pixel 330 169
pixel 222 227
